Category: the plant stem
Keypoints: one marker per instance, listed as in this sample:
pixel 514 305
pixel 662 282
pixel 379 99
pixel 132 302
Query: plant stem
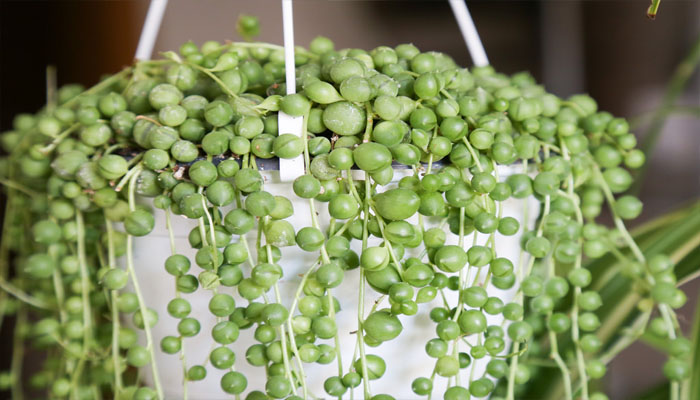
pixel 87 311
pixel 636 330
pixel 60 295
pixel 18 354
pixel 292 339
pixel 368 128
pixel 126 178
pixel 314 221
pixel 580 362
pixel 84 280
pixel 51 98
pixel 111 260
pixel 134 280
pixel 20 187
pixel 58 139
pixel 100 86
pixel 389 247
pixel 212 234
pixel 283 341
pixel 5 251
pixel 676 110
pixel 171 235
pixel 269 46
pixel 554 354
pixel 475 156
pixel 679 80
pixel 213 77
pixel 361 295
pixel 173 250
pixel 336 338
pixel 21 295
pixel 510 395
pixel 653 9
pixel 511 374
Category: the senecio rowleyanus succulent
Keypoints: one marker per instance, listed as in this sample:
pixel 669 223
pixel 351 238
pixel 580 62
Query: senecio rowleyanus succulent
pixel 189 130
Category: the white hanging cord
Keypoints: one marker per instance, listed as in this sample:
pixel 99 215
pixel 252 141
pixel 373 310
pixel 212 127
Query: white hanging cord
pixel 288 31
pixel 471 36
pixel 293 168
pixel 151 26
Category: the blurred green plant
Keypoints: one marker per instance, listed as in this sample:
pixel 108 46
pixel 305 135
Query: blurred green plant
pixel 653 9
pixel 657 119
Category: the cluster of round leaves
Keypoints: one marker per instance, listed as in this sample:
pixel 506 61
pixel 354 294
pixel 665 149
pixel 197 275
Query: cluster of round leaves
pixel 186 131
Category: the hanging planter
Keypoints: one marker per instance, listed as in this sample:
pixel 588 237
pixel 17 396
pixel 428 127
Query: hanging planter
pixel 442 219
pixel 295 262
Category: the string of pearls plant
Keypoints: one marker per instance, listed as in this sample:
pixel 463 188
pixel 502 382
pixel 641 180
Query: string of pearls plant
pixel 187 131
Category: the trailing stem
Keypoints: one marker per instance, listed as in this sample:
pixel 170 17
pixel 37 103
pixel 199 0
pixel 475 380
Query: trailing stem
pixel 134 280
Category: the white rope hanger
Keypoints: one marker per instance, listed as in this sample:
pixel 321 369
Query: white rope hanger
pixel 471 36
pixel 151 26
pixel 290 169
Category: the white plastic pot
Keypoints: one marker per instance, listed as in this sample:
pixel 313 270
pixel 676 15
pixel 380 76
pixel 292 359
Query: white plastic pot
pixel 405 356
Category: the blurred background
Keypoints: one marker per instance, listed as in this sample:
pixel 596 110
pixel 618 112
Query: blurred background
pixel 608 49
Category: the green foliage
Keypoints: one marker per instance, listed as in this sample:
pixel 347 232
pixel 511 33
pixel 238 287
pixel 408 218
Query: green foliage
pixel 189 132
